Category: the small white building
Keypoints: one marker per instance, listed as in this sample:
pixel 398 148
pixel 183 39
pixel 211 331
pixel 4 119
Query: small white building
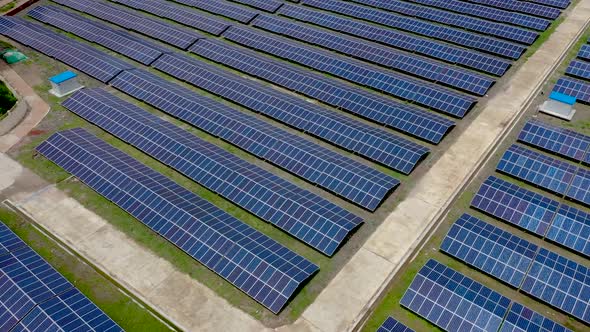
pixel 65 83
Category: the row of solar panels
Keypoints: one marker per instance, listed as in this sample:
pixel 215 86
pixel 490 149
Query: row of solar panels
pixel 577 81
pixel 35 297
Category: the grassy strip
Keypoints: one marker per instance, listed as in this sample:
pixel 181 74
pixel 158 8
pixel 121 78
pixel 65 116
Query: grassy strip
pixel 129 314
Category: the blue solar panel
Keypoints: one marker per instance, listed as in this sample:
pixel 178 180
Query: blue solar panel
pixel 373 143
pixel 405 62
pixel 355 181
pixel 523 319
pixel 405 118
pixel 549 173
pixel 69 311
pixel 522 7
pixel 574 88
pixel 130 20
pixel 515 205
pixel 561 283
pixel 392 325
pixel 419 45
pixel 223 8
pixel 554 3
pixel 453 301
pixel 270 6
pixel 355 71
pixel 403 22
pixel 488 13
pixel 119 41
pixel 571 229
pixel 561 141
pixel 580 69
pixel 584 52
pixel 14 303
pixel 310 218
pixel 8 240
pixel 83 57
pixel 462 21
pixel 178 14
pixel 253 262
pixel 490 249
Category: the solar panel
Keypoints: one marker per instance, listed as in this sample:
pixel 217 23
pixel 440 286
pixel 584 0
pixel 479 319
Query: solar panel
pixel 408 23
pixel 580 69
pixel 489 13
pixel 561 283
pixel 69 311
pixel 453 301
pixel 561 141
pixel 522 7
pixel 461 21
pixel 14 303
pixel 83 57
pixel 373 143
pixel 119 41
pixel 8 240
pixel 259 266
pixel 490 249
pixel 130 20
pixel 411 43
pixel 554 3
pixel 523 319
pixel 546 172
pixel 405 62
pixel 403 87
pixel 270 6
pixel 178 14
pixel 350 179
pixel 515 205
pixel 223 8
pixel 306 216
pixel 574 88
pixel 584 52
pixel 405 118
pixel 392 325
pixel 571 229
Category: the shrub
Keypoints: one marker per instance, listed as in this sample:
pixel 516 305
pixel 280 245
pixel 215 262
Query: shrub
pixel 7 99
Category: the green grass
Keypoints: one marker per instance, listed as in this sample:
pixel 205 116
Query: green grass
pixel 7 7
pixel 7 99
pixel 129 314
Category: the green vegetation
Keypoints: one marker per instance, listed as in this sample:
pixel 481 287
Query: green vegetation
pixel 7 6
pixel 7 99
pixel 129 314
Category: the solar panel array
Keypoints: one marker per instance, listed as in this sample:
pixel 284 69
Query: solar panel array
pixel 560 282
pixel 555 3
pixel 489 13
pixel 28 283
pixel 490 249
pixel 411 43
pixel 500 30
pixel 306 216
pixel 573 87
pixel 571 229
pixel 356 182
pixel 408 63
pixel 522 7
pixel 403 87
pixel 373 143
pixel 119 41
pixel 453 35
pixel 547 172
pixel 453 301
pixel 178 14
pixel 262 268
pixel 270 6
pixel 156 29
pixel 223 8
pixel 523 319
pixel 584 52
pixel 405 118
pixel 392 325
pixel 561 141
pixel 83 57
pixel 580 69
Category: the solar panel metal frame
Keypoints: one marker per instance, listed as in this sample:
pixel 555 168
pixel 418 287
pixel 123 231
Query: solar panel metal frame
pixel 416 122
pixel 268 272
pixel 398 85
pixel 490 249
pixel 304 215
pixel 318 165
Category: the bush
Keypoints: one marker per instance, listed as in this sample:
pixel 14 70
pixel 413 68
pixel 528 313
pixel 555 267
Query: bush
pixel 7 99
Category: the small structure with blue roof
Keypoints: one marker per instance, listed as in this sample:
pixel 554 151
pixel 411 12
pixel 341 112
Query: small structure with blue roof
pixel 65 83
pixel 559 105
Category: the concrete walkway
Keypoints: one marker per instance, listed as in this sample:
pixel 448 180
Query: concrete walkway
pixel 37 107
